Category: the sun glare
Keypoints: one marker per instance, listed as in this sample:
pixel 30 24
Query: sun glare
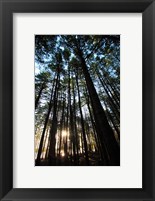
pixel 62 153
pixel 64 133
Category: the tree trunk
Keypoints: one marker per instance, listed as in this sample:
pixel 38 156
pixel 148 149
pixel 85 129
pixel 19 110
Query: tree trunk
pixel 114 106
pixel 53 130
pixel 61 126
pixel 72 131
pixel 82 122
pixel 75 125
pixel 106 134
pixel 39 95
pixel 112 121
pixel 45 125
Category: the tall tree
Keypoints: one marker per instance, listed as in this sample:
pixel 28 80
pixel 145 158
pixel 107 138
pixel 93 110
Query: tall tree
pixel 106 134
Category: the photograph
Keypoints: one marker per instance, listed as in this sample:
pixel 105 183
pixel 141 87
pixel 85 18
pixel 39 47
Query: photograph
pixel 77 100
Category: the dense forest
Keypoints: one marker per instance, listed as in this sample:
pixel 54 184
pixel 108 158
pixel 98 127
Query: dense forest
pixel 77 100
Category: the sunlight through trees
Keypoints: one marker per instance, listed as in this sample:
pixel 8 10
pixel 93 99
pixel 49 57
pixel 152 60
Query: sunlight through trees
pixel 77 100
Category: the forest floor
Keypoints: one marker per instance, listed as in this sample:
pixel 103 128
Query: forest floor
pixel 94 160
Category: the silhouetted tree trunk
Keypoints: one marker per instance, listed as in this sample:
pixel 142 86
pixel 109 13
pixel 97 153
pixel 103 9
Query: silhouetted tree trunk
pixel 113 105
pixel 111 119
pixel 82 122
pixel 114 91
pixel 75 125
pixel 105 133
pixel 109 93
pixel 44 146
pixel 53 130
pixel 66 143
pixel 45 125
pixel 39 95
pixel 61 125
pixel 72 131
pixel 112 88
pixel 100 149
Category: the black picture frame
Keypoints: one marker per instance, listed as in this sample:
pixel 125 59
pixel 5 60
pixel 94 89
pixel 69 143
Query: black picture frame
pixel 7 8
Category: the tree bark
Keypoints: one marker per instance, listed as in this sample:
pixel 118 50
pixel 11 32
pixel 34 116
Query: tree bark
pixel 39 95
pixel 106 134
pixel 45 125
pixel 82 123
pixel 53 130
